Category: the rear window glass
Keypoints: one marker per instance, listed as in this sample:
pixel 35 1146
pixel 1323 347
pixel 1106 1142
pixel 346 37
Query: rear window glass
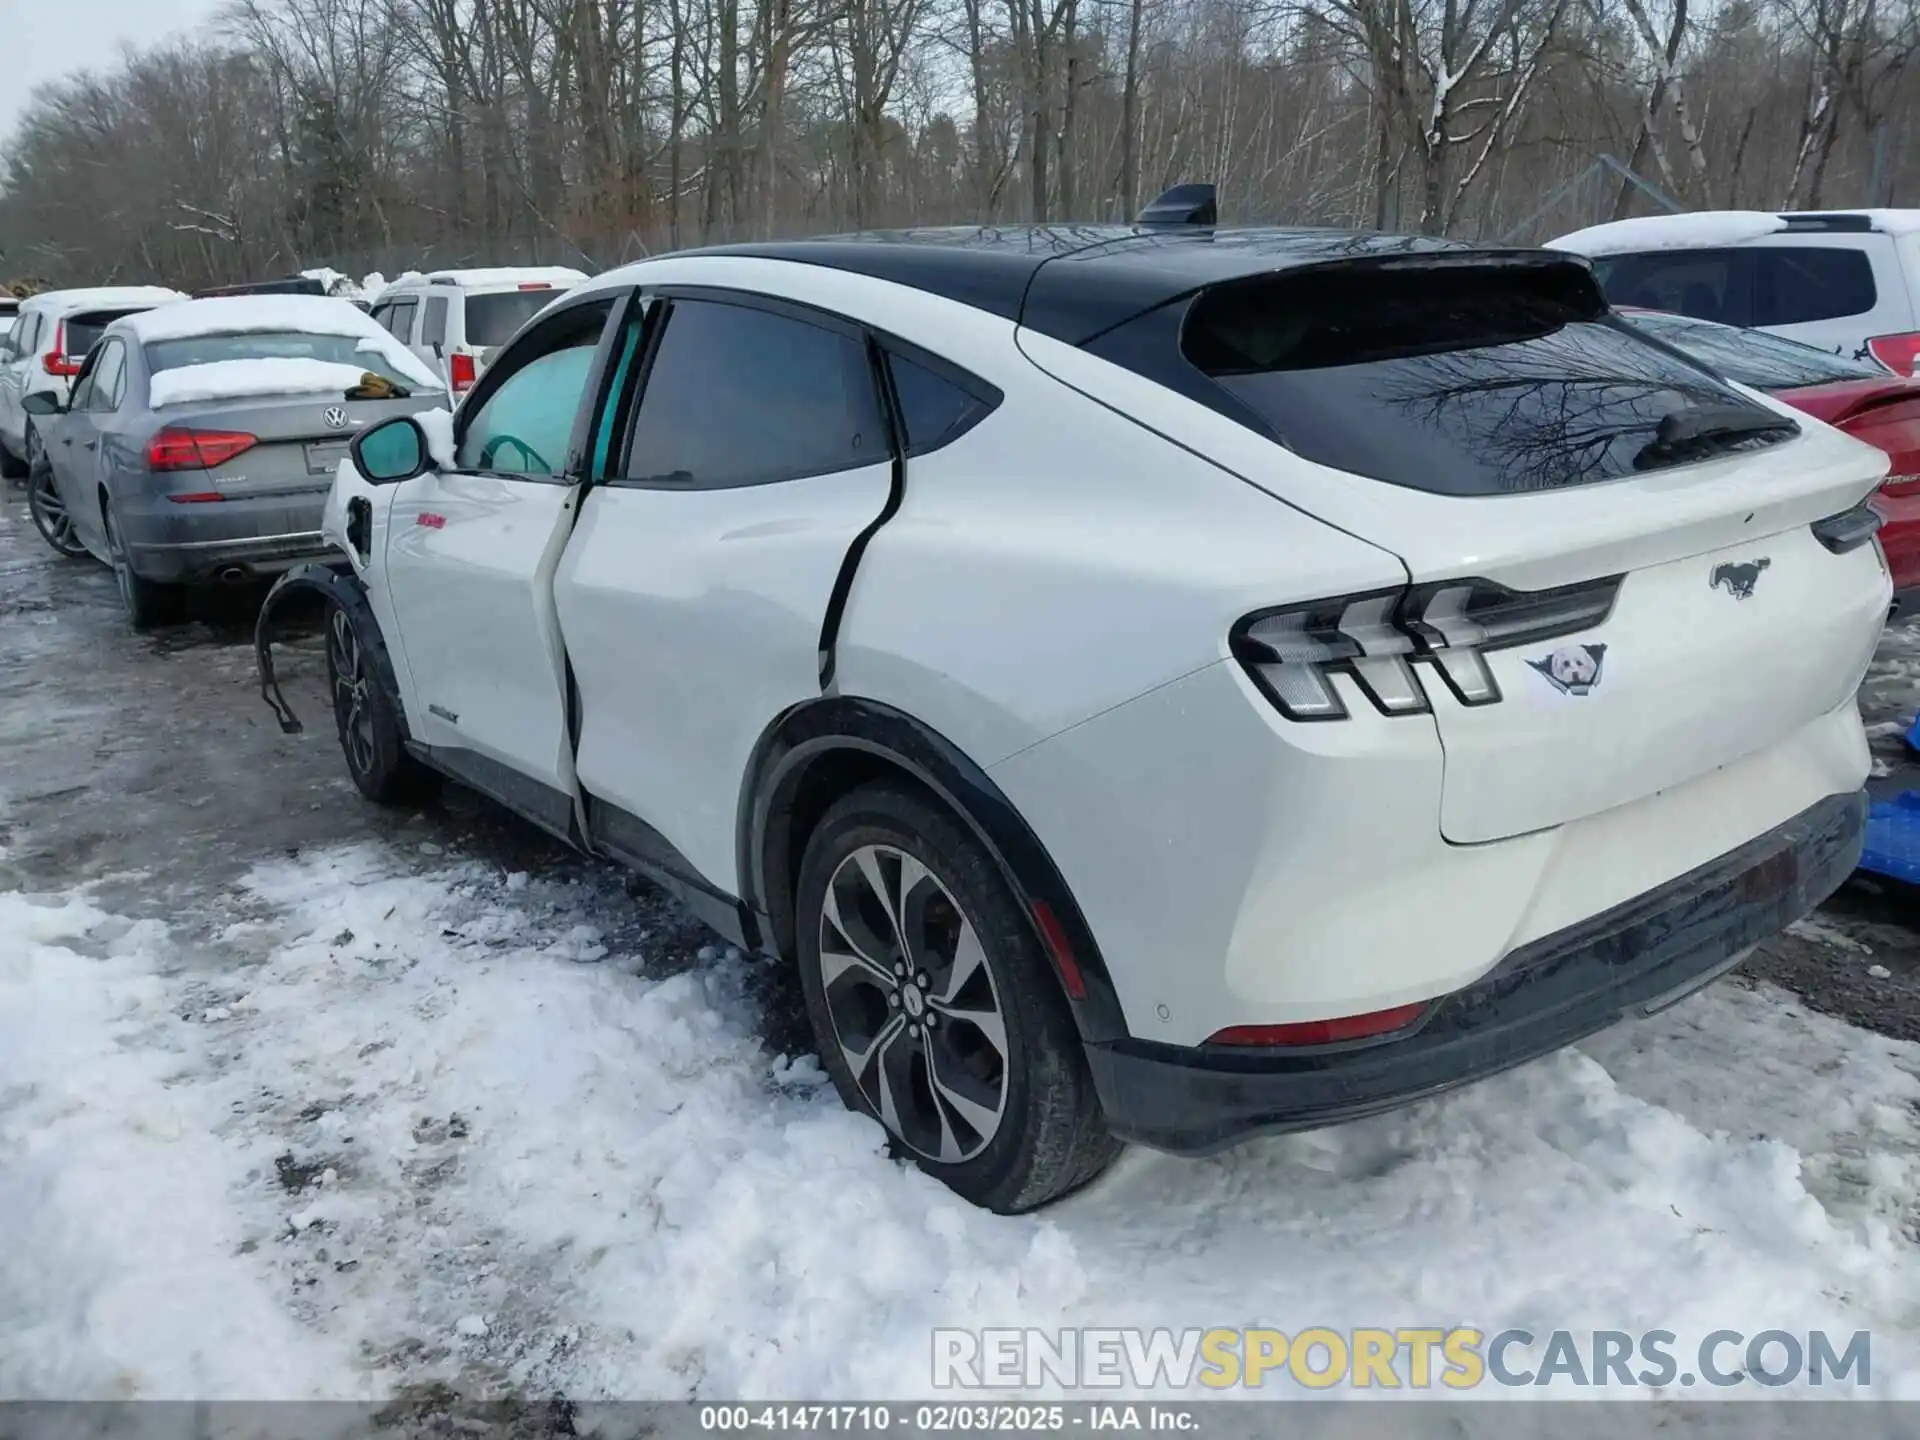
pixel 1795 285
pixel 1753 357
pixel 83 332
pixel 493 319
pixel 1458 383
pixel 339 349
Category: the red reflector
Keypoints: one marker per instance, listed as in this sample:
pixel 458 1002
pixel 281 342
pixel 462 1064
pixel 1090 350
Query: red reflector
pixel 460 372
pixel 178 447
pixel 198 497
pixel 1054 936
pixel 535 285
pixel 1897 352
pixel 1322 1032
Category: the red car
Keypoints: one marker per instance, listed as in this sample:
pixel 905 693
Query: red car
pixel 1857 396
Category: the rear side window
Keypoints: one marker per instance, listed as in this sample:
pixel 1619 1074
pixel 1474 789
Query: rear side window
pixel 433 328
pixel 492 319
pixel 109 377
pixel 741 396
pixel 1706 284
pixel 1796 285
pixel 933 407
pixel 1459 382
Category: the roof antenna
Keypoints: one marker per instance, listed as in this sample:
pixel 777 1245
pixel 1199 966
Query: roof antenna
pixel 1182 205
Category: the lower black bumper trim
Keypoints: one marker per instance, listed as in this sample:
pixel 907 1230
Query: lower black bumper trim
pixel 1636 958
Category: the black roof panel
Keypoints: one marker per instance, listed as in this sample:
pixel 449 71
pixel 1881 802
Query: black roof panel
pixel 1074 281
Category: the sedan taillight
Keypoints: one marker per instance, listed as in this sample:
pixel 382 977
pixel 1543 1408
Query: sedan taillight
pixel 1384 639
pixel 178 447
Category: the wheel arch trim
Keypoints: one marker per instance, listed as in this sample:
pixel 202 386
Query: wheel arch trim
pixel 817 730
pixel 334 582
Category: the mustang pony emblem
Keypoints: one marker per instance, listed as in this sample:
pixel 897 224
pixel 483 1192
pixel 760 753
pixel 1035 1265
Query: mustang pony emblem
pixel 1739 580
pixel 1572 669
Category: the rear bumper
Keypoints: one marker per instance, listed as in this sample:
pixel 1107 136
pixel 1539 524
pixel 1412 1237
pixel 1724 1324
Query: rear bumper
pixel 252 557
pixel 1635 958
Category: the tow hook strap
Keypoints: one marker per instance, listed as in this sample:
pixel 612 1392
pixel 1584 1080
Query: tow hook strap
pixel 263 657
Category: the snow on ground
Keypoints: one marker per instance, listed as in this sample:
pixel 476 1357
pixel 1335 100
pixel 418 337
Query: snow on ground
pixel 406 1119
pixel 1688 231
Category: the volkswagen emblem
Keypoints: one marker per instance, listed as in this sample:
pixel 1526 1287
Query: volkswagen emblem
pixel 335 417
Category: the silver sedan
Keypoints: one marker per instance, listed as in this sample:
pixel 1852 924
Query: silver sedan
pixel 202 437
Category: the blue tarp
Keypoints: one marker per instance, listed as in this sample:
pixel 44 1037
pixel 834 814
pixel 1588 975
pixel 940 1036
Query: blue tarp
pixel 1893 838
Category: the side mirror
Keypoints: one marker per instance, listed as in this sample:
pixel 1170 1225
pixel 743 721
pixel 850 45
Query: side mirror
pixel 42 402
pixel 392 451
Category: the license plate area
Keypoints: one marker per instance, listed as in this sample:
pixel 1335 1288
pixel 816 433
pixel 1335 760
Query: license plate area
pixel 325 458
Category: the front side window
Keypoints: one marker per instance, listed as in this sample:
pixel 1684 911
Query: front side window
pixel 525 426
pixel 1707 284
pixel 743 396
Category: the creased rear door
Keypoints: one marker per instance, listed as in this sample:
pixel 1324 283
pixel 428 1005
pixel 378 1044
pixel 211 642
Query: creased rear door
pixel 693 592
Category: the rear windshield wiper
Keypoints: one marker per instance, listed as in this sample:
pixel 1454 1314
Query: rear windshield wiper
pixel 1701 430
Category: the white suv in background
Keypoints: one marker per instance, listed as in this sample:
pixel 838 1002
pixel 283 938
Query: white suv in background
pixel 1846 281
pixel 456 319
pixel 44 350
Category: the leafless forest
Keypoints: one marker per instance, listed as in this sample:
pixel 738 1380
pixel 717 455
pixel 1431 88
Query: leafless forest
pixel 389 133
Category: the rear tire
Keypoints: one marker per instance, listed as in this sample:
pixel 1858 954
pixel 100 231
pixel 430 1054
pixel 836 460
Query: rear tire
pixel 935 1009
pixel 366 717
pixel 49 513
pixel 148 604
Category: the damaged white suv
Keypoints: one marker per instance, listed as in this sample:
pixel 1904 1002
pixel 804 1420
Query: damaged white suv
pixel 1156 684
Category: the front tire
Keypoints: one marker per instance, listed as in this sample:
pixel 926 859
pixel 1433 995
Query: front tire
pixel 147 603
pixel 49 513
pixel 366 717
pixel 935 1009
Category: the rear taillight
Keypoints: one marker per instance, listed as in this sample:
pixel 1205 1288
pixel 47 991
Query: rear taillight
pixel 1383 640
pixel 1899 353
pixel 460 372
pixel 1373 1024
pixel 56 360
pixel 178 447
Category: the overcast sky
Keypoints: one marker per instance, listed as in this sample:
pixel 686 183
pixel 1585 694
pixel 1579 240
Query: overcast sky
pixel 41 40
